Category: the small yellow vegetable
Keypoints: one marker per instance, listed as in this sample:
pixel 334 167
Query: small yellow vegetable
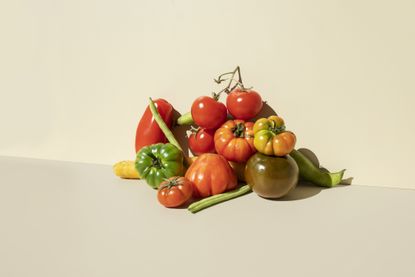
pixel 126 170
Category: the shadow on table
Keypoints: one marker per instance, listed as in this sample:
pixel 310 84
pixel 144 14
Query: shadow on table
pixel 305 190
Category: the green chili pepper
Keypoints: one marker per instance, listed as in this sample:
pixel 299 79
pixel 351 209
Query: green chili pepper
pixel 157 162
pixel 310 172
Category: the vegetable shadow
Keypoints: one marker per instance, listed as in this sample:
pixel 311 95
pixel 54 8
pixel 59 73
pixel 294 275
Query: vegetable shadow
pixel 303 190
pixel 266 111
pixel 180 133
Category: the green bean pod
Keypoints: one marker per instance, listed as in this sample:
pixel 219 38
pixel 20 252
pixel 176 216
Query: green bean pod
pixel 310 172
pixel 185 119
pixel 218 198
pixel 166 131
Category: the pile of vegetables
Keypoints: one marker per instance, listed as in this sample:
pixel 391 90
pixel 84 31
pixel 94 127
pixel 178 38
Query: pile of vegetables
pixel 233 153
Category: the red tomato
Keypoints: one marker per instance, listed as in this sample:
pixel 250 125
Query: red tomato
pixel 148 131
pixel 174 192
pixel 211 174
pixel 208 113
pixel 244 104
pixel 235 140
pixel 202 142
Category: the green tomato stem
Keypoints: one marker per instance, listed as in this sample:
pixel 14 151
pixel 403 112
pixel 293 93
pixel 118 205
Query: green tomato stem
pixel 219 198
pixel 166 131
pixel 185 119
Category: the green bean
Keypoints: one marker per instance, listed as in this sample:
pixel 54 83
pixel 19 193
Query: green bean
pixel 166 131
pixel 218 198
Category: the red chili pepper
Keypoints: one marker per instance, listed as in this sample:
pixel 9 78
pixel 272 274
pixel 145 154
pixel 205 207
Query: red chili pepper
pixel 148 132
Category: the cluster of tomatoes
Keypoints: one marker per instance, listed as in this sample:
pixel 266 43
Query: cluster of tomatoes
pixel 231 138
pixel 216 142
pixel 224 138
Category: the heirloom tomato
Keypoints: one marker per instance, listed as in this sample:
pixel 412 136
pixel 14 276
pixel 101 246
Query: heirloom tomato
pixel 174 192
pixel 271 137
pixel 211 174
pixel 235 140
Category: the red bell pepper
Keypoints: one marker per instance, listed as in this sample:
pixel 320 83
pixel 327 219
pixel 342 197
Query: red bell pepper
pixel 148 131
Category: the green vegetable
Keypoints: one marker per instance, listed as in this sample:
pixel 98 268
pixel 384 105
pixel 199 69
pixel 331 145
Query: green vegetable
pixel 164 128
pixel 185 119
pixel 310 172
pixel 218 198
pixel 271 176
pixel 157 162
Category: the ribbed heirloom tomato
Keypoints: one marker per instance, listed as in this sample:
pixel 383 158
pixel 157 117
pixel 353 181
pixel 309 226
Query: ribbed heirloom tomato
pixel 271 138
pixel 211 174
pixel 235 140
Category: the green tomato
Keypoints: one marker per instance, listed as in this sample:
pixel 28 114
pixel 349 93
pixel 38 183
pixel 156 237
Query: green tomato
pixel 158 162
pixel 271 177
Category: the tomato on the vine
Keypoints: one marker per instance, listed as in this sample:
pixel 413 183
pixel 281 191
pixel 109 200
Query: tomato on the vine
pixel 175 191
pixel 208 113
pixel 244 104
pixel 201 141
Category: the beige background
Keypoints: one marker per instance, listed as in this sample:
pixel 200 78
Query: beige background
pixel 75 75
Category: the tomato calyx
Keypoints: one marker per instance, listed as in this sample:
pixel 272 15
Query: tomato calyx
pixel 277 129
pixel 194 130
pixel 155 161
pixel 171 183
pixel 239 130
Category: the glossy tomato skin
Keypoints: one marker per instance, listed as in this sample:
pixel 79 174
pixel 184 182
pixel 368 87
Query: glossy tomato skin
pixel 271 137
pixel 148 132
pixel 202 142
pixel 208 113
pixel 211 174
pixel 275 145
pixel 244 104
pixel 271 177
pixel 174 192
pixel 235 140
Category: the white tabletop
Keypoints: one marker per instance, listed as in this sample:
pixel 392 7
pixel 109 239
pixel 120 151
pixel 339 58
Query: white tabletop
pixel 74 219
